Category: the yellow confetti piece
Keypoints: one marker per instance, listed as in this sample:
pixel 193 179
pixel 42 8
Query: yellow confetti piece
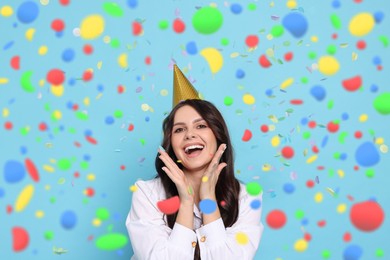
pixel 205 179
pixel 242 238
pixel 92 27
pixel 234 55
pixel 99 95
pixel 340 173
pixel 248 99
pixel 164 92
pixel 300 245
pixel 361 24
pixel 106 39
pixel 145 107
pixel 354 56
pixel 379 140
pixel 96 222
pixel 318 197
pixel 48 168
pixel 99 65
pixel 214 58
pixel 341 208
pixel 86 101
pixel 275 141
pixel 270 52
pixel 91 177
pixel 122 61
pixel 61 181
pixel 291 4
pixel 273 118
pixel 3 80
pixel 271 128
pixel 42 50
pixel 30 34
pixel 384 148
pixel 133 188
pixel 312 159
pixel 287 83
pixel 24 198
pixel 328 65
pixel 47 187
pixel 363 118
pixel 57 115
pixel 314 38
pixel 57 91
pixel 6 11
pixel 39 214
pixel 331 191
pixel 266 167
pixel 41 82
pixel 5 112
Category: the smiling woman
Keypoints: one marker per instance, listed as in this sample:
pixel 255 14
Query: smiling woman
pixel 213 218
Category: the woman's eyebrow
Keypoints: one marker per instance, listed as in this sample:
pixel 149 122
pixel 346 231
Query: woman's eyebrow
pixel 195 121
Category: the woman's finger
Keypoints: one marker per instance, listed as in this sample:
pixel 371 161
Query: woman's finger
pixel 214 164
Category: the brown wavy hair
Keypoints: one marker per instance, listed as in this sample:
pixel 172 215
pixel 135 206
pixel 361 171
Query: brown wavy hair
pixel 227 187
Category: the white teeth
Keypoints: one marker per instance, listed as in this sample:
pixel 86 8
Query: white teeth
pixel 193 147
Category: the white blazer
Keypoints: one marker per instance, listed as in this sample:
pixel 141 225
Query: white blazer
pixel 152 238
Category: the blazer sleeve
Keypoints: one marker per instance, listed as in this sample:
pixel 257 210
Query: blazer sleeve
pixel 239 241
pixel 150 237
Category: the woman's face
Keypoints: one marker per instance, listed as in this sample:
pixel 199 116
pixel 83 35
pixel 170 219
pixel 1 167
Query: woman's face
pixel 193 141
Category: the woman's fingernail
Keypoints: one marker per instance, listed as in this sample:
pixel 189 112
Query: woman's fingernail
pixel 161 148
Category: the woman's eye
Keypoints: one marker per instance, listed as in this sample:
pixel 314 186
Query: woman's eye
pixel 202 126
pixel 178 130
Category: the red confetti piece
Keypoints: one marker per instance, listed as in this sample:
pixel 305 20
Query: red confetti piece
pixel 55 77
pixel 288 56
pixel 251 41
pixel 137 28
pixel 361 45
pixel 91 139
pixel 358 134
pixel 8 125
pixel 148 60
pixel 76 174
pixel 334 36
pixel 222 203
pixel 333 127
pixel 264 128
pixel 178 25
pixel 312 124
pixel 120 89
pixel 347 237
pixel 32 170
pixel 75 107
pixel 20 239
pixel 366 216
pixel 247 135
pixel 321 223
pixel 88 49
pixel 315 149
pixel 276 219
pixel 15 62
pixel 352 84
pixel 64 2
pixel 123 167
pixel 264 62
pixel 58 25
pixel 77 144
pixel 9 209
pixel 287 152
pixel 87 75
pixel 42 126
pixel 90 192
pixel 307 237
pixel 131 127
pixel 169 206
pixel 296 101
pixel 310 184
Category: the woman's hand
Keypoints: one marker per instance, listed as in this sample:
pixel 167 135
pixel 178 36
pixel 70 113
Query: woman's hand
pixel 210 177
pixel 184 188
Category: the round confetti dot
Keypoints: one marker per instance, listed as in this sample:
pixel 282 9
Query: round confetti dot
pixel 288 56
pixel 14 171
pixel 264 62
pixel 367 154
pixel 132 3
pixel 178 25
pixel 318 92
pixel 48 235
pixel 163 25
pixel 191 48
pixel 207 20
pixel 228 101
pixel 378 16
pixel 240 74
pixel 276 219
pixel 277 31
pixel 328 65
pixel 110 242
pixel 137 28
pixel 68 55
pixel 318 197
pixel 382 103
pixel 352 252
pixel 275 141
pixel 224 42
pixel 287 152
pixel 333 127
pixel 92 27
pixel 112 9
pixel 55 77
pixel 300 245
pixel 6 11
pixel 264 128
pixel 361 44
pixel 336 21
pixel 255 204
pixel 207 206
pixel 27 12
pixel 367 216
pixel 253 188
pixel 102 213
pixel 296 24
pixel 379 253
pixel 248 99
pixel 361 24
pixel 289 188
pixel 20 239
pixel 242 238
pixel 68 219
pixel 236 8
pixel 251 41
pixel 58 25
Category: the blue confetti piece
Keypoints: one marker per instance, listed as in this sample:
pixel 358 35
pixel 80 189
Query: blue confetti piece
pixel 207 206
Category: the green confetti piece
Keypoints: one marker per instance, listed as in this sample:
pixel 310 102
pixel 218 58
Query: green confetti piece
pixel 111 242
pixel 379 253
pixel 299 214
pixel 118 114
pixel 115 43
pixel 102 214
pixel 52 200
pixel 312 55
pixel 207 20
pixel 277 30
pixel 336 155
pixel 72 130
pixel 342 137
pixel 143 141
pixel 224 41
pixel 304 80
pixel 384 40
pixel 47 107
pixel 49 235
pixel 331 173
pixel 24 131
pixel 25 81
pixel 336 21
pixel 112 9
pixel 164 24
pixel 370 173
pixel 64 164
pixel 84 165
pixel 330 104
pixel 252 6
pixel 331 50
pixel 253 188
pixel 382 103
pixel 82 116
pixel 306 135
pixel 228 101
pixel 326 254
pixel 85 201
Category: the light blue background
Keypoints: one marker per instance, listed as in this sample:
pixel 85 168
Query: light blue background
pixel 117 146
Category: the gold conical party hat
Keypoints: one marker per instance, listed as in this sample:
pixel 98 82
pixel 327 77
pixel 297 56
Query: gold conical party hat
pixel 182 88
